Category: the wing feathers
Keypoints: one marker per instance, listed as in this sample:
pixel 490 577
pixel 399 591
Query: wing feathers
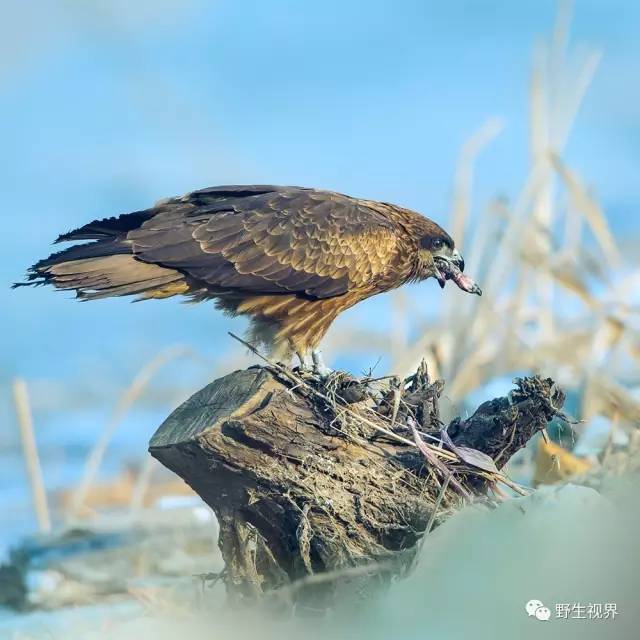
pixel 270 240
pixel 264 240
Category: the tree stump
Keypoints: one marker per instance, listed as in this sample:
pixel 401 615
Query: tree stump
pixel 321 484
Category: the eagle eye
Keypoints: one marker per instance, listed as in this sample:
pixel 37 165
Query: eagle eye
pixel 432 244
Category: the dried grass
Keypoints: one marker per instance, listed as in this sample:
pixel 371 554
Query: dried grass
pixel 548 264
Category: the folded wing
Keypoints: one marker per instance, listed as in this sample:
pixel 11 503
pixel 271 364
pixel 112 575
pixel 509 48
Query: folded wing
pixel 269 240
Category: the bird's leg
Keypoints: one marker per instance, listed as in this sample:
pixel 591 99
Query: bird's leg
pixel 319 366
pixel 303 356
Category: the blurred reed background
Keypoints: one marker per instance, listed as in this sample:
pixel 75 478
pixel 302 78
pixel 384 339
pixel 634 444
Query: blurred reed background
pixel 109 107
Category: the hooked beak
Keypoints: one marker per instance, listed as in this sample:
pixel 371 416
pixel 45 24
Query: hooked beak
pixel 457 259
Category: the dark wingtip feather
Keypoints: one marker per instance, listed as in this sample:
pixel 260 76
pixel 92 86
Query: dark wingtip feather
pixel 65 237
pixel 108 227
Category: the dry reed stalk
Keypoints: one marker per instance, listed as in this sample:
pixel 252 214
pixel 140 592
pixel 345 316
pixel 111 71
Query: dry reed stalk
pixel 590 210
pixel 513 281
pixel 463 178
pixel 128 398
pixel 463 186
pixel 30 451
pixel 580 83
pixel 542 217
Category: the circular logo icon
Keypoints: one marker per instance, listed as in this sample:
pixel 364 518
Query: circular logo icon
pixel 543 613
pixel 531 607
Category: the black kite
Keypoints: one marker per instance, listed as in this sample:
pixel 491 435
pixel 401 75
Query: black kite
pixel 289 257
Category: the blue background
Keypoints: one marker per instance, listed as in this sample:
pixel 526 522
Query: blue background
pixel 106 107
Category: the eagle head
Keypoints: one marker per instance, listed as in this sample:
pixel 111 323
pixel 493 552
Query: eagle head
pixel 439 258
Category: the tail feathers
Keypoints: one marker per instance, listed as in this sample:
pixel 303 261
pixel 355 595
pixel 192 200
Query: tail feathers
pixel 106 276
pixel 106 267
pixel 37 274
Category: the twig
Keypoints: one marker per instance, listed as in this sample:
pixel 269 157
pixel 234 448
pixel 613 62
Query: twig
pixel 30 450
pixel 511 484
pixel 428 454
pixel 299 381
pixel 432 451
pixel 437 504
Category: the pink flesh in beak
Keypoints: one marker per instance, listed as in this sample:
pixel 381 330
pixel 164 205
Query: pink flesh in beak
pixel 447 270
pixel 465 283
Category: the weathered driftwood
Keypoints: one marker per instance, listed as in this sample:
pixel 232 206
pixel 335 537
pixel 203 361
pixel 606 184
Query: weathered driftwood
pixel 304 483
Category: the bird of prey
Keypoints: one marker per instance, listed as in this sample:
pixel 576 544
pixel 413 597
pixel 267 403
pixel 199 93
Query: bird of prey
pixel 291 258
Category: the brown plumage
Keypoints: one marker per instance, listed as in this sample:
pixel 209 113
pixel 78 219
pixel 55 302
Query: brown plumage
pixel 291 258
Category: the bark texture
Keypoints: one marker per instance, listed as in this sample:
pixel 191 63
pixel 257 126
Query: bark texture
pixel 303 488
